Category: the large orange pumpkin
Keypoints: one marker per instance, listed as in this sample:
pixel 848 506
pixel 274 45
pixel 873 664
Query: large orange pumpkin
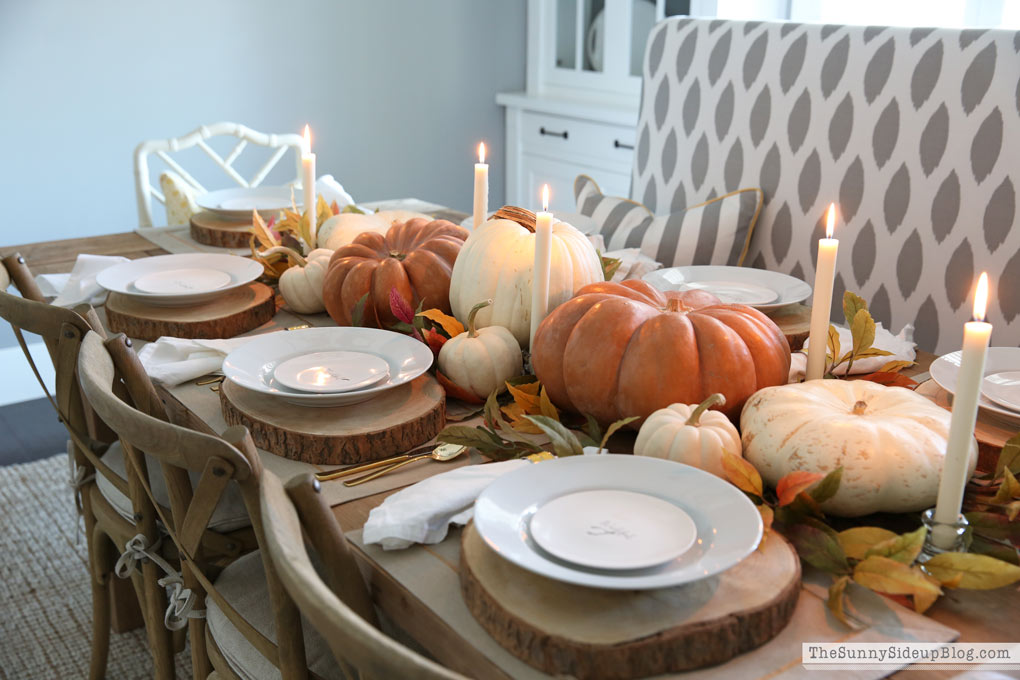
pixel 626 349
pixel 414 257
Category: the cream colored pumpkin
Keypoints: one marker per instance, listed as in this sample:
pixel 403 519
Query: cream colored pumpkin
pixel 340 230
pixel 301 285
pixel 496 262
pixel 691 434
pixel 481 360
pixel 890 441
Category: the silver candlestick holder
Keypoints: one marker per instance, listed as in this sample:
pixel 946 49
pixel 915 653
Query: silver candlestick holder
pixel 957 530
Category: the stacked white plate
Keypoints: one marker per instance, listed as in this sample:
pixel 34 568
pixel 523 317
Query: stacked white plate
pixel 757 288
pixel 179 280
pixel 618 522
pixel 327 366
pixel 1000 389
pixel 237 204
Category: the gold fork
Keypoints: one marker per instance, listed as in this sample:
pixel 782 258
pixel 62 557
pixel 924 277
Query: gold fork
pixel 347 472
pixel 443 452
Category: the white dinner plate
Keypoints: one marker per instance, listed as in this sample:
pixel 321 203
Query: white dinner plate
pixel 734 282
pixel 1004 389
pixel 998 360
pixel 253 365
pixel 122 278
pixel 182 281
pixel 237 204
pixel 582 223
pixel 728 525
pixel 612 529
pixel 331 372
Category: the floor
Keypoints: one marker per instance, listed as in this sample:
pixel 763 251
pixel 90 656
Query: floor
pixel 30 431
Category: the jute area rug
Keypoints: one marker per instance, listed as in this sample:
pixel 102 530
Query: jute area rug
pixel 45 598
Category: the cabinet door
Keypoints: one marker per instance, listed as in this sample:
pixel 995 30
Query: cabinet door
pixel 560 175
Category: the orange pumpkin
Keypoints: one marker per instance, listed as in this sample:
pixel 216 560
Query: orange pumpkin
pixel 626 349
pixel 414 257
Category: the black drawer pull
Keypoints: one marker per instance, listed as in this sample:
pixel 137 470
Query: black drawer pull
pixel 550 133
pixel 617 144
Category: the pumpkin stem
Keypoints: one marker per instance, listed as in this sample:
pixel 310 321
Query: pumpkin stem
pixel 398 255
pixel 289 252
pixel 521 216
pixel 472 332
pixel 859 408
pixel 713 400
pixel 673 305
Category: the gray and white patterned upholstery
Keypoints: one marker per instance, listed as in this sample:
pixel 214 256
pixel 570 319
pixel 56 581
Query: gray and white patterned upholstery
pixel 913 132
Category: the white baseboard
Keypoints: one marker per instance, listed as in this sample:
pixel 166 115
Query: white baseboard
pixel 19 383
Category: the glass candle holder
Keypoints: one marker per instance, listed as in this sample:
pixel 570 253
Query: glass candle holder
pixel 957 530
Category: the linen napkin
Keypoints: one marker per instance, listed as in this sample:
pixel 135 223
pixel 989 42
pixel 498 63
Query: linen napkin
pixel 80 285
pixel 423 512
pixel 901 345
pixel 633 263
pixel 172 361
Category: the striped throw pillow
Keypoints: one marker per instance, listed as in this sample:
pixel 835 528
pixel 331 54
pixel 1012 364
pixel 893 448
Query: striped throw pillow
pixel 717 231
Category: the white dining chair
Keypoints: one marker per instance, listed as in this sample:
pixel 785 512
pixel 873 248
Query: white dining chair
pixel 145 191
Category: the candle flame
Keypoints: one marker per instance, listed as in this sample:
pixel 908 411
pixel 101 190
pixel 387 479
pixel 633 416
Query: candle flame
pixel 308 139
pixel 981 297
pixel 481 152
pixel 830 220
pixel 545 198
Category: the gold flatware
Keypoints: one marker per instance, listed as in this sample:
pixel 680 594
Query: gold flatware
pixel 298 327
pixel 443 452
pixel 355 469
pixel 210 381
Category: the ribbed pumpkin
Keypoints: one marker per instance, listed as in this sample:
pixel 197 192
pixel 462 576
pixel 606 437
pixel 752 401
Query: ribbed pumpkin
pixel 625 349
pixel 414 257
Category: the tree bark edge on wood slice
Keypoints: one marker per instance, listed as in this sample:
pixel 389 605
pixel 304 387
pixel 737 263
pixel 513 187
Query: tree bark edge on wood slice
pixel 210 230
pixel 681 648
pixel 795 323
pixel 235 312
pixel 394 422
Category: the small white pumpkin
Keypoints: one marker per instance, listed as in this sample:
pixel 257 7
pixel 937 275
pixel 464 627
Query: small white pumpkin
pixel 496 262
pixel 301 284
pixel 691 434
pixel 890 441
pixel 340 230
pixel 481 360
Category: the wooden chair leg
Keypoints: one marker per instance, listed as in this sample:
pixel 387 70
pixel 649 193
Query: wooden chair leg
pixel 160 639
pixel 200 664
pixel 126 612
pixel 101 561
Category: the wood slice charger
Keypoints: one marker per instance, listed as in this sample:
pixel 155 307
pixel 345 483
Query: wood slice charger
pixel 795 323
pixel 230 314
pixel 393 422
pixel 213 230
pixel 991 433
pixel 568 630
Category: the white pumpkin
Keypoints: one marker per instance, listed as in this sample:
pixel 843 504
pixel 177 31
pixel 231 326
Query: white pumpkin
pixel 496 262
pixel 691 434
pixel 301 284
pixel 340 230
pixel 481 360
pixel 890 441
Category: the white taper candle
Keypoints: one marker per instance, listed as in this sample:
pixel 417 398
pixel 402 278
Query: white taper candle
pixel 308 184
pixel 821 302
pixel 541 269
pixel 481 206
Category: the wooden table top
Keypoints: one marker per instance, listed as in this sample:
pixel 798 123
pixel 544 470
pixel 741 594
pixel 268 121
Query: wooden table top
pixel 980 616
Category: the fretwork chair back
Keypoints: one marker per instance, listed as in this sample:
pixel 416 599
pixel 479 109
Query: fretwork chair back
pixel 145 191
pixel 340 607
pixel 221 630
pixel 96 459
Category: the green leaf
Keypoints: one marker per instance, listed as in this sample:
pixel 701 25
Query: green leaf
pixel 526 379
pixel 609 266
pixel 351 208
pixel 591 432
pixel 475 437
pixel 833 343
pixel 1008 489
pixel 358 314
pixel 904 548
pixel 827 488
pixel 836 599
pixel 818 548
pixel 993 525
pixel 852 303
pixel 613 428
pixel 857 541
pixel 563 441
pixel 980 572
pixel 863 331
pixel 1009 457
pixel 997 549
pixel 491 412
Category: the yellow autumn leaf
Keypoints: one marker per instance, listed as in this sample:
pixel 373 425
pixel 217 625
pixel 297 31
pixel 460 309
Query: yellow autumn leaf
pixel 836 599
pixel 1008 490
pixel 767 517
pixel 886 575
pixel 261 232
pixel 904 548
pixel 979 572
pixel 515 414
pixel 741 473
pixel 546 407
pixel 857 541
pixel 894 366
pixel 449 324
pixel 922 601
pixel 526 396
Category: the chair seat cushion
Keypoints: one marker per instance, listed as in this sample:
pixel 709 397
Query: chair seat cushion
pixel 230 513
pixel 243 585
pixel 717 231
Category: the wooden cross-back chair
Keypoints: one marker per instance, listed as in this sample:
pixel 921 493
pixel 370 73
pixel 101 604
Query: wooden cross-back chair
pixel 162 148
pixel 340 608
pixel 92 445
pixel 230 634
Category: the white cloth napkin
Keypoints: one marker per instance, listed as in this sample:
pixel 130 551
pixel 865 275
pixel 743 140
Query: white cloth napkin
pixel 423 513
pixel 172 361
pixel 901 345
pixel 633 264
pixel 80 285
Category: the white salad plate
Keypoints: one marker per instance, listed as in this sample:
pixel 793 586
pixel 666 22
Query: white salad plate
pixel 253 365
pixel 612 529
pixel 237 204
pixel 582 223
pixel 998 360
pixel 758 288
pixel 728 525
pixel 331 372
pixel 1004 389
pixel 142 278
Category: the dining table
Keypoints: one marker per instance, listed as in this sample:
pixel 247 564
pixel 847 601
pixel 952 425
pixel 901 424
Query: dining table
pixel 418 588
